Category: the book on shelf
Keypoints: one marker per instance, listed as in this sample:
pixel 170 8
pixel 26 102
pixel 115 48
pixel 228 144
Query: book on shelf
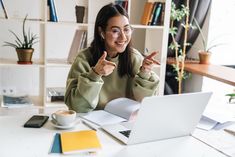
pixel 123 3
pixel 80 12
pixel 161 21
pixel 78 43
pixel 115 111
pixel 157 12
pixel 52 11
pixel 13 101
pixel 152 12
pixel 84 40
pixel 3 11
pixel 85 141
pixel 55 94
pixel 147 13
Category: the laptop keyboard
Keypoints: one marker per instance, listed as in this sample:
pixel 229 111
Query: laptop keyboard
pixel 126 133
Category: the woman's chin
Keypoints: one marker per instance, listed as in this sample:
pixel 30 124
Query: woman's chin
pixel 121 49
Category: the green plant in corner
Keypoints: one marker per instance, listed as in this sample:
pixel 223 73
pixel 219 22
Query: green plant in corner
pixel 206 46
pixel 24 47
pixel 205 52
pixel 231 96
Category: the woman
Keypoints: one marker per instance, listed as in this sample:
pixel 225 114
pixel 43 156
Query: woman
pixel 110 68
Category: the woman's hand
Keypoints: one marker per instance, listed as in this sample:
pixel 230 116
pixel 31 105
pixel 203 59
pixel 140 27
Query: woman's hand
pixel 149 62
pixel 104 67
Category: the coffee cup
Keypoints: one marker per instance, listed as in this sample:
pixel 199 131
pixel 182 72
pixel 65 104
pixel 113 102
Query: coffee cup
pixel 64 117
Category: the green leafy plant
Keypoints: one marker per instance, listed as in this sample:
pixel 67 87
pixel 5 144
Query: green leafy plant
pixel 207 46
pixel 231 96
pixel 180 15
pixel 27 42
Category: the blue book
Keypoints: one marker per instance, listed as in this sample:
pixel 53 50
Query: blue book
pixel 4 9
pixel 16 101
pixel 53 16
pixel 157 14
pixel 56 146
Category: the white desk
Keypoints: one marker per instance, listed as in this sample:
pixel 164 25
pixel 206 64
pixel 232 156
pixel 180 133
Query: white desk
pixel 33 142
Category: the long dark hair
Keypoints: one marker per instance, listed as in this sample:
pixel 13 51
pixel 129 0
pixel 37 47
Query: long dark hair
pixel 97 45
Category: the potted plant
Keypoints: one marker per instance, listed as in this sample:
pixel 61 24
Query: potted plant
pixel 231 96
pixel 23 47
pixel 205 52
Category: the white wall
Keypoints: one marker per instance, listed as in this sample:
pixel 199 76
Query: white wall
pixel 221 28
pixel 219 25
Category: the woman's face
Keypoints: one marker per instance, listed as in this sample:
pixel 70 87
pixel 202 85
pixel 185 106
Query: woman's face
pixel 117 35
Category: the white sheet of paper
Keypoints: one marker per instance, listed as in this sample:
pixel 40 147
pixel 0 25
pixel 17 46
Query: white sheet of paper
pixel 206 123
pixel 102 117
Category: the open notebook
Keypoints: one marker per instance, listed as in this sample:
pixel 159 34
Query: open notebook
pixel 116 111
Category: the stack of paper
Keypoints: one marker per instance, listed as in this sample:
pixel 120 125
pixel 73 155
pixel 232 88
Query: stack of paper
pixel 218 114
pixel 16 101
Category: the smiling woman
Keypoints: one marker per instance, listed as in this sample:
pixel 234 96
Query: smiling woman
pixel 110 68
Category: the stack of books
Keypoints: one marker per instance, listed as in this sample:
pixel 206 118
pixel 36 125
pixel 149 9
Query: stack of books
pixel 84 142
pixel 16 101
pixel 55 94
pixel 79 42
pixel 153 13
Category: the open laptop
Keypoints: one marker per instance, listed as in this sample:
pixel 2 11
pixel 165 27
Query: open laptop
pixel 162 117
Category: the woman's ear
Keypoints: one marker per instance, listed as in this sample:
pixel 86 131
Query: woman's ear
pixel 101 33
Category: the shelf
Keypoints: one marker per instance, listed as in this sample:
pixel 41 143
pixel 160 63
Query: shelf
pixel 13 63
pixel 55 104
pixel 85 25
pixel 56 39
pixel 57 63
pixel 147 27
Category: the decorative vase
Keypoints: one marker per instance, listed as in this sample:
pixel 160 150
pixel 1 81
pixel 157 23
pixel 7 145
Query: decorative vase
pixel 24 56
pixel 204 57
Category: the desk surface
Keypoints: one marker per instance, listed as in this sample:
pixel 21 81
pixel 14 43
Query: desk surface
pixel 33 142
pixel 217 72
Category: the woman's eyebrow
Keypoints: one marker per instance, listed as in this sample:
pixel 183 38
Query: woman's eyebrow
pixel 115 27
pixel 128 25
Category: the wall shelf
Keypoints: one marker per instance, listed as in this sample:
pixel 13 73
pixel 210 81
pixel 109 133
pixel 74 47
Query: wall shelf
pixel 50 67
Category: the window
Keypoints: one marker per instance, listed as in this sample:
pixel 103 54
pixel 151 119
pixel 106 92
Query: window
pixel 221 30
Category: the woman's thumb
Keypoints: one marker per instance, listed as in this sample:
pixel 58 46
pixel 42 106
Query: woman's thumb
pixel 103 56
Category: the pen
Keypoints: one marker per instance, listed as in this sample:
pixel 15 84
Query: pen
pixel 89 125
pixel 230 131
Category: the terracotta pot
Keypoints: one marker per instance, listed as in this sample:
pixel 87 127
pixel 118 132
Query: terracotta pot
pixel 24 56
pixel 204 57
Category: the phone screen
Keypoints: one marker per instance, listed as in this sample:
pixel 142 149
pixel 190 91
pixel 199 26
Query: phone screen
pixel 36 121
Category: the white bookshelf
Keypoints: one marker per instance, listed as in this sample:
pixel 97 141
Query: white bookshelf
pixel 49 68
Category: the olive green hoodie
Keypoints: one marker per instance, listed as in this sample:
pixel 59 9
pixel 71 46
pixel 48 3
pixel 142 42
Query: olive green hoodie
pixel 86 90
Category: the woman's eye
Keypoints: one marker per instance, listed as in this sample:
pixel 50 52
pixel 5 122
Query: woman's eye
pixel 127 30
pixel 115 31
